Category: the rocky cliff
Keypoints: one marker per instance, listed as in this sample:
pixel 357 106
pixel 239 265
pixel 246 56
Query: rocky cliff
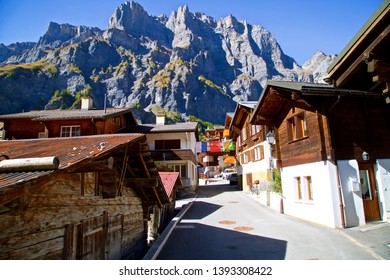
pixel 187 63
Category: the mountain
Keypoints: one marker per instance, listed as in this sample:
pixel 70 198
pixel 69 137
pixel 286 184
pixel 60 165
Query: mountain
pixel 318 64
pixel 187 63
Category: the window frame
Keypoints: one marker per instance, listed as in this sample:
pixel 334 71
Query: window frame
pixel 71 132
pixel 303 189
pixel 167 144
pixel 258 153
pixel 297 127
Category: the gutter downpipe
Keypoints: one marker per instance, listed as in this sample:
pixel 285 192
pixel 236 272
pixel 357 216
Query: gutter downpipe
pixel 341 205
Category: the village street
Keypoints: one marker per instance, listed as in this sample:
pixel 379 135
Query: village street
pixel 227 223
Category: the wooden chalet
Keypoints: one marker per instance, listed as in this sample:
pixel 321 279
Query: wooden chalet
pixel 322 131
pixel 209 159
pixel 229 159
pixel 93 198
pixel 251 149
pixel 332 139
pixel 65 123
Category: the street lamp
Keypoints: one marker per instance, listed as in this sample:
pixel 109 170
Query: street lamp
pixel 365 156
pixel 270 138
pixel 271 141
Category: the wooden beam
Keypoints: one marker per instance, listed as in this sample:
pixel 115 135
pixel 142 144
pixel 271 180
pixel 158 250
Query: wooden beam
pixel 130 170
pixel 157 197
pixel 386 88
pixel 143 162
pixel 381 77
pixel 95 166
pixel 362 57
pixel 141 182
pixel 264 120
pixel 378 66
pixel 29 164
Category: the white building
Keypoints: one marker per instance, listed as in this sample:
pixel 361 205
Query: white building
pixel 173 147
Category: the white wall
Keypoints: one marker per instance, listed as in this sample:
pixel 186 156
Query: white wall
pixel 383 180
pixel 187 139
pixel 352 197
pixel 324 208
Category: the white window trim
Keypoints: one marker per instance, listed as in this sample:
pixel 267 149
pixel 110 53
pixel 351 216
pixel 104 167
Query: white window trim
pixel 71 130
pixel 304 190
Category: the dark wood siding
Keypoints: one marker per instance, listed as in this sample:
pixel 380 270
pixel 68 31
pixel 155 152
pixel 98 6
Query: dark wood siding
pixel 311 148
pixel 22 129
pixel 361 125
pixel 53 221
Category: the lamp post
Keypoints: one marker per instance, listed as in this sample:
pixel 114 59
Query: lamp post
pixel 365 156
pixel 271 141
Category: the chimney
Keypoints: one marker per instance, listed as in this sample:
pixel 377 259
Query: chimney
pixel 86 103
pixel 160 119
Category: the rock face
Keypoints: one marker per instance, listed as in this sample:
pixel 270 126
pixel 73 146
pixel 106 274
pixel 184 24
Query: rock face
pixel 186 63
pixel 318 64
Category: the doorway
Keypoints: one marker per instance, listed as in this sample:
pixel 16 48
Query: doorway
pixel 369 192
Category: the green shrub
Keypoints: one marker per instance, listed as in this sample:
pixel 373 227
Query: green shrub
pixel 276 184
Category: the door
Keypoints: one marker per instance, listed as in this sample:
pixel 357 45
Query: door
pixel 369 192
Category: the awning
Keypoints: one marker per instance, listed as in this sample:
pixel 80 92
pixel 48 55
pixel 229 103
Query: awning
pixel 229 160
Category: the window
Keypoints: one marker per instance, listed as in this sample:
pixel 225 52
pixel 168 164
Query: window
pixel 42 135
pixel 296 127
pixel 167 144
pixel 304 189
pixel 244 133
pixel 298 188
pixel 309 188
pixel 244 158
pixel 182 169
pixel 259 153
pixel 255 129
pixel 70 131
pixel 365 185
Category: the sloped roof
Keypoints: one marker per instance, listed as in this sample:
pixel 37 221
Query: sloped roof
pixel 243 109
pixel 277 95
pixel 45 115
pixel 169 180
pixel 71 152
pixel 363 63
pixel 158 128
pixel 364 29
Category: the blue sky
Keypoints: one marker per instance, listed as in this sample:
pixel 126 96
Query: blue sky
pixel 301 27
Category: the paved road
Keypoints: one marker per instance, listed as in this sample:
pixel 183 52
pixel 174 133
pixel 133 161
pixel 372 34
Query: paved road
pixel 225 223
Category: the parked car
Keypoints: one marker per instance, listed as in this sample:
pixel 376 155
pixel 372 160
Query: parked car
pixel 233 179
pixel 227 172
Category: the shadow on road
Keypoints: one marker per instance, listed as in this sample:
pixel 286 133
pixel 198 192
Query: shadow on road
pixel 201 209
pixel 194 241
pixel 215 189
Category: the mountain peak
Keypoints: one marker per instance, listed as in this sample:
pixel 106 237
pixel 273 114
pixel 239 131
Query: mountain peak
pixel 184 9
pixel 134 20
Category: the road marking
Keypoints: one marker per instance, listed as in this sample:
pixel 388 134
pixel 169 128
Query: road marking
pixel 244 228
pixel 365 248
pixel 227 222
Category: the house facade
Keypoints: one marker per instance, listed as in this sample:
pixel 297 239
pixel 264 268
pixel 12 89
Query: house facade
pixel 320 146
pixel 211 153
pixel 364 65
pixel 252 151
pixel 65 123
pixel 79 198
pixel 173 147
pixel 332 139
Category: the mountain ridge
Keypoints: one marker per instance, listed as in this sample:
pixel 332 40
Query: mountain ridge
pixel 185 62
